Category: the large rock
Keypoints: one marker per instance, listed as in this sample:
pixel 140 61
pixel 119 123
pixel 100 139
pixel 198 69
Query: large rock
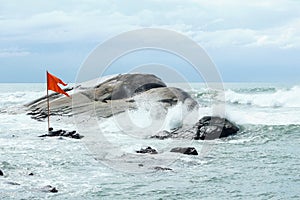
pixel 123 87
pixel 207 128
pixel 116 94
pixel 109 96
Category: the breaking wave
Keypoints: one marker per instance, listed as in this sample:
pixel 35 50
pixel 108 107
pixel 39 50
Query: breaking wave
pixel 274 98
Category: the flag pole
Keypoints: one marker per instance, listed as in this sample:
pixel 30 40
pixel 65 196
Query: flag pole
pixel 48 105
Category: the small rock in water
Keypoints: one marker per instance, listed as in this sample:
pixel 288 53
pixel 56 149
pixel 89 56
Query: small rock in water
pixel 1 173
pixel 162 168
pixel 162 135
pixel 62 133
pixel 49 188
pixel 185 150
pixel 53 190
pixel 147 150
pixel 12 183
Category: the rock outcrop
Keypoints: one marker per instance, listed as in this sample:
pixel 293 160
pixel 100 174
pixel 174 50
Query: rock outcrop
pixel 109 96
pixel 116 94
pixel 207 128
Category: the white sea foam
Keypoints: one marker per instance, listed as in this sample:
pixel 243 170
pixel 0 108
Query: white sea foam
pixel 148 120
pixel 266 116
pixel 279 98
pixel 11 98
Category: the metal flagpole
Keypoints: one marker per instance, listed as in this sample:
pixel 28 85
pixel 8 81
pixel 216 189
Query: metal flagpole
pixel 48 105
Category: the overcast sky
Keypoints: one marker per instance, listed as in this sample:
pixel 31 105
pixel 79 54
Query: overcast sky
pixel 247 40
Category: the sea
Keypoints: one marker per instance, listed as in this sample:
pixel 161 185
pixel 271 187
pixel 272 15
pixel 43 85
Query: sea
pixel 262 161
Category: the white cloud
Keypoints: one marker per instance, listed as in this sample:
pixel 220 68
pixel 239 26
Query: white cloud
pixel 286 36
pixel 13 52
pixel 215 23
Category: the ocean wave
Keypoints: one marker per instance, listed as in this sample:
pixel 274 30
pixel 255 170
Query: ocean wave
pixel 256 90
pixel 278 98
pixel 9 99
pixel 263 115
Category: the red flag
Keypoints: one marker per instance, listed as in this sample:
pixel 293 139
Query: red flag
pixel 52 82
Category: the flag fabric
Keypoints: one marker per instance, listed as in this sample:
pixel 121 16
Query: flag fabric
pixel 52 84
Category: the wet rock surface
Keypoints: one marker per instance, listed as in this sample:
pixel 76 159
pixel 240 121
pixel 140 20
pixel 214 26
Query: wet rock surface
pixel 185 150
pixel 207 128
pixel 62 133
pixel 162 135
pixel 147 150
pixel 162 168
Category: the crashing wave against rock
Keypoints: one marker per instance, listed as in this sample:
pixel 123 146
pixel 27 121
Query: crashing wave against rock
pixel 116 94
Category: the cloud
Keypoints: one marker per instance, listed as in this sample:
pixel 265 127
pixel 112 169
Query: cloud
pixel 61 26
pixel 13 52
pixel 286 36
pixel 61 33
pixel 215 23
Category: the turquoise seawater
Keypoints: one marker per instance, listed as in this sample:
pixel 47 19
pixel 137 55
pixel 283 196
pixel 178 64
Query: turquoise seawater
pixel 262 161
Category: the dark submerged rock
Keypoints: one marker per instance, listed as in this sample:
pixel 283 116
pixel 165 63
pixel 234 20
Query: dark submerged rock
pixel 147 150
pixel 12 183
pixel 162 168
pixel 53 190
pixel 185 150
pixel 209 128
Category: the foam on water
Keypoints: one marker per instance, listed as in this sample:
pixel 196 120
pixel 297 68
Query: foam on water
pixel 278 116
pixel 278 98
pixel 17 98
